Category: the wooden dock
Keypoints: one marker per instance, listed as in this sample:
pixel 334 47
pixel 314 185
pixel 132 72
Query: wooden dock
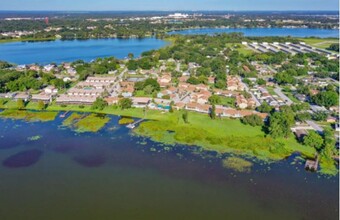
pixel 133 125
pixel 312 165
pixel 64 114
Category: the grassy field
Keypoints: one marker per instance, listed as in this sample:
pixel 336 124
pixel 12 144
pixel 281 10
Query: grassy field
pixel 228 101
pixel 240 48
pixel 223 136
pixel 322 43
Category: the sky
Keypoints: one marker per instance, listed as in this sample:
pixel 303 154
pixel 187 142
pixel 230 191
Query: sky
pixel 168 5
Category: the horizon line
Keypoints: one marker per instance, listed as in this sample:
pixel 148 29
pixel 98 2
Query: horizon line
pixel 125 10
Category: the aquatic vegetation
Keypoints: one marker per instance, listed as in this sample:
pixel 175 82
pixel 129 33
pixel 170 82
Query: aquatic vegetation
pixel 23 159
pixel 34 138
pixel 71 119
pixel 86 123
pixel 125 121
pixel 30 116
pixel 237 164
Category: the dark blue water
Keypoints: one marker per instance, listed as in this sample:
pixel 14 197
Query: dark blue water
pixel 261 32
pixel 67 51
pixel 112 174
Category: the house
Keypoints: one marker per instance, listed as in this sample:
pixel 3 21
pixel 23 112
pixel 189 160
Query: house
pixel 140 102
pixel 202 108
pixel 34 68
pixel 75 100
pixel 211 80
pixel 23 96
pixel 104 80
pixel 179 105
pixel 331 119
pixel 301 97
pixel 49 68
pixel 300 134
pixel 166 78
pixel 234 84
pixel 334 109
pixel 46 98
pixel 183 79
pixel 127 89
pixel 242 102
pixel 112 100
pixel 71 71
pixel 51 90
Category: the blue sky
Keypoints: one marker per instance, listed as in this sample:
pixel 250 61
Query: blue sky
pixel 85 5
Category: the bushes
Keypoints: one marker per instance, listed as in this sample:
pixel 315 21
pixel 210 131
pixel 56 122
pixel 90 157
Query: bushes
pixel 253 120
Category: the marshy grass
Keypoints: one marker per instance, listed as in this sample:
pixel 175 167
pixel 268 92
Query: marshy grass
pixel 30 116
pixel 125 121
pixel 237 164
pixel 86 123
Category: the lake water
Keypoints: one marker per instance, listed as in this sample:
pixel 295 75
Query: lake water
pixel 115 175
pixel 67 51
pixel 261 32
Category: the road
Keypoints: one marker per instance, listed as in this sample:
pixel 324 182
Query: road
pixel 252 95
pixel 314 125
pixel 279 92
pixel 116 85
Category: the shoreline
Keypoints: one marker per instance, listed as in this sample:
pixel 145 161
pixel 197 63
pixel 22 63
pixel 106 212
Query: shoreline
pixel 220 136
pixel 170 32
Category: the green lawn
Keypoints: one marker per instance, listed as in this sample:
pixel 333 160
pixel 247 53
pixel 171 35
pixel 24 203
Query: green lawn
pixel 226 135
pixel 322 43
pixel 240 48
pixel 228 101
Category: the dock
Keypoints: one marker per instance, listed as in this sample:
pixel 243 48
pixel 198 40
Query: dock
pixel 312 165
pixel 133 125
pixel 64 114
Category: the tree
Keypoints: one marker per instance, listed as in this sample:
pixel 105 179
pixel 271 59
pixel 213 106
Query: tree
pixel 41 105
pixel 279 125
pixel 314 140
pixel 213 112
pixel 303 116
pixel 125 103
pixel 253 120
pixel 214 99
pixel 185 117
pixel 171 109
pixel 220 84
pixel 261 82
pixel 334 47
pixel 193 80
pixel 320 116
pixel 132 65
pixel 131 56
pixel 265 108
pixel 20 104
pixel 326 98
pixel 148 90
pixel 99 104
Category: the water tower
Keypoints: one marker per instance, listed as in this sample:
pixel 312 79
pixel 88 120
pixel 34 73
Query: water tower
pixel 46 20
